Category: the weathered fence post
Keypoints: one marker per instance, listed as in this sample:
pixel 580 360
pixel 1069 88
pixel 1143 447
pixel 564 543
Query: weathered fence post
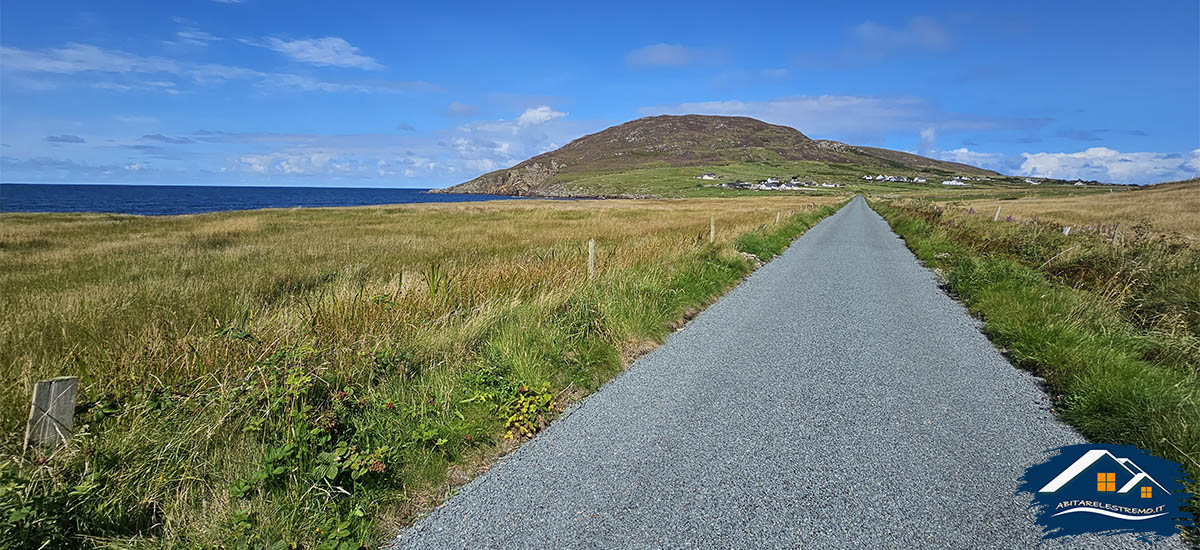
pixel 591 258
pixel 777 217
pixel 1116 228
pixel 1066 230
pixel 712 229
pixel 997 216
pixel 52 412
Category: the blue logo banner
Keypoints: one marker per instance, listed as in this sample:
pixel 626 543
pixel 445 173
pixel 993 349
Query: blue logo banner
pixel 1093 488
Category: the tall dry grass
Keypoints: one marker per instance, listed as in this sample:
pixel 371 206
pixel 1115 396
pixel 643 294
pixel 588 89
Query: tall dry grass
pixel 1166 208
pixel 239 369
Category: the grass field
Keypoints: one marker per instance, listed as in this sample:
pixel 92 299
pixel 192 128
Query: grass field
pixel 1165 208
pixel 321 376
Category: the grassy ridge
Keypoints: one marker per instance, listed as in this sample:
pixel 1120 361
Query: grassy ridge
pixel 318 377
pixel 1112 329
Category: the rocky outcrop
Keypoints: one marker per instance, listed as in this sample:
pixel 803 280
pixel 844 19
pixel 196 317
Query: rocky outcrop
pixel 527 178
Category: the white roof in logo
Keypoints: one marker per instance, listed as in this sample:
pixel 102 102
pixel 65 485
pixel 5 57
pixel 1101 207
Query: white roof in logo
pixel 1090 458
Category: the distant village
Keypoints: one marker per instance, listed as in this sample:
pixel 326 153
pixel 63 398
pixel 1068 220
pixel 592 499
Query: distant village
pixel 769 184
pixel 794 184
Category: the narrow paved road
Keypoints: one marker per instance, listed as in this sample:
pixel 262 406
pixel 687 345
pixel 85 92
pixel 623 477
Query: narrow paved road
pixel 836 399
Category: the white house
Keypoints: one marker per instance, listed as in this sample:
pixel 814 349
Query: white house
pixel 707 176
pixel 1080 184
pixel 918 180
pixel 954 182
pixel 828 185
pixel 771 180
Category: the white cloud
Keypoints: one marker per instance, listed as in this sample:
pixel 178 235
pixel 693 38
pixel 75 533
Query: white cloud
pixel 1097 163
pixel 1104 164
pixel 991 161
pixel 538 115
pixel 438 158
pixel 669 55
pixel 928 142
pixel 848 117
pixel 329 51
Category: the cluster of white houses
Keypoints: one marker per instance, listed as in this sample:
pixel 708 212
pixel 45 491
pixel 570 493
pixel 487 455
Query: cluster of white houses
pixel 771 184
pixel 774 184
pixel 902 179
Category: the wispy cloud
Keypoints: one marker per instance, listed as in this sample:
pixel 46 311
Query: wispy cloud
pixel 441 157
pixel 75 58
pixel 457 108
pixel 65 138
pixel 329 51
pixel 168 139
pixel 1095 135
pixel 874 40
pixel 196 37
pixel 670 55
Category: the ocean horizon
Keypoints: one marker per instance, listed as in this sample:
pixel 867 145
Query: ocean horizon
pixel 174 199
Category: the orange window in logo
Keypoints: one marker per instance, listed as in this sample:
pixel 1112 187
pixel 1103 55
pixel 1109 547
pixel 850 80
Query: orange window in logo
pixel 1106 482
pixel 1147 492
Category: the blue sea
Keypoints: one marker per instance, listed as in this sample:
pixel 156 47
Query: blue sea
pixel 161 200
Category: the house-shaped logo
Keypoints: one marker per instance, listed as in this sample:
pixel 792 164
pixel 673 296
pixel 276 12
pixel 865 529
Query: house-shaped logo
pixel 1112 475
pixel 1107 488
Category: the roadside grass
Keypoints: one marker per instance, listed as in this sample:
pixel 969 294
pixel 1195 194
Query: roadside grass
pixel 1112 329
pixel 1170 208
pixel 319 377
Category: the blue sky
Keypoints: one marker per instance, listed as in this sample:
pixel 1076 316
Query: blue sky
pixel 392 94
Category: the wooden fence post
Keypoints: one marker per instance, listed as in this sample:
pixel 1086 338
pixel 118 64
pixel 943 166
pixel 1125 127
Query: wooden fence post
pixel 52 412
pixel 777 217
pixel 997 216
pixel 712 229
pixel 591 258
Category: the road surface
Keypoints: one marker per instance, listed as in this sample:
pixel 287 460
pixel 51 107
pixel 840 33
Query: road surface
pixel 836 399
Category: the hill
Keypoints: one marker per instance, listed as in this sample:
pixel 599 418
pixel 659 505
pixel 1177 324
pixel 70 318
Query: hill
pixel 650 150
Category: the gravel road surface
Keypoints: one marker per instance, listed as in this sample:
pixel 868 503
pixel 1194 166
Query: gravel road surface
pixel 836 399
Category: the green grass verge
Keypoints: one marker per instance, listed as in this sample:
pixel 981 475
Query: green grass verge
pixel 298 453
pixel 1109 374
